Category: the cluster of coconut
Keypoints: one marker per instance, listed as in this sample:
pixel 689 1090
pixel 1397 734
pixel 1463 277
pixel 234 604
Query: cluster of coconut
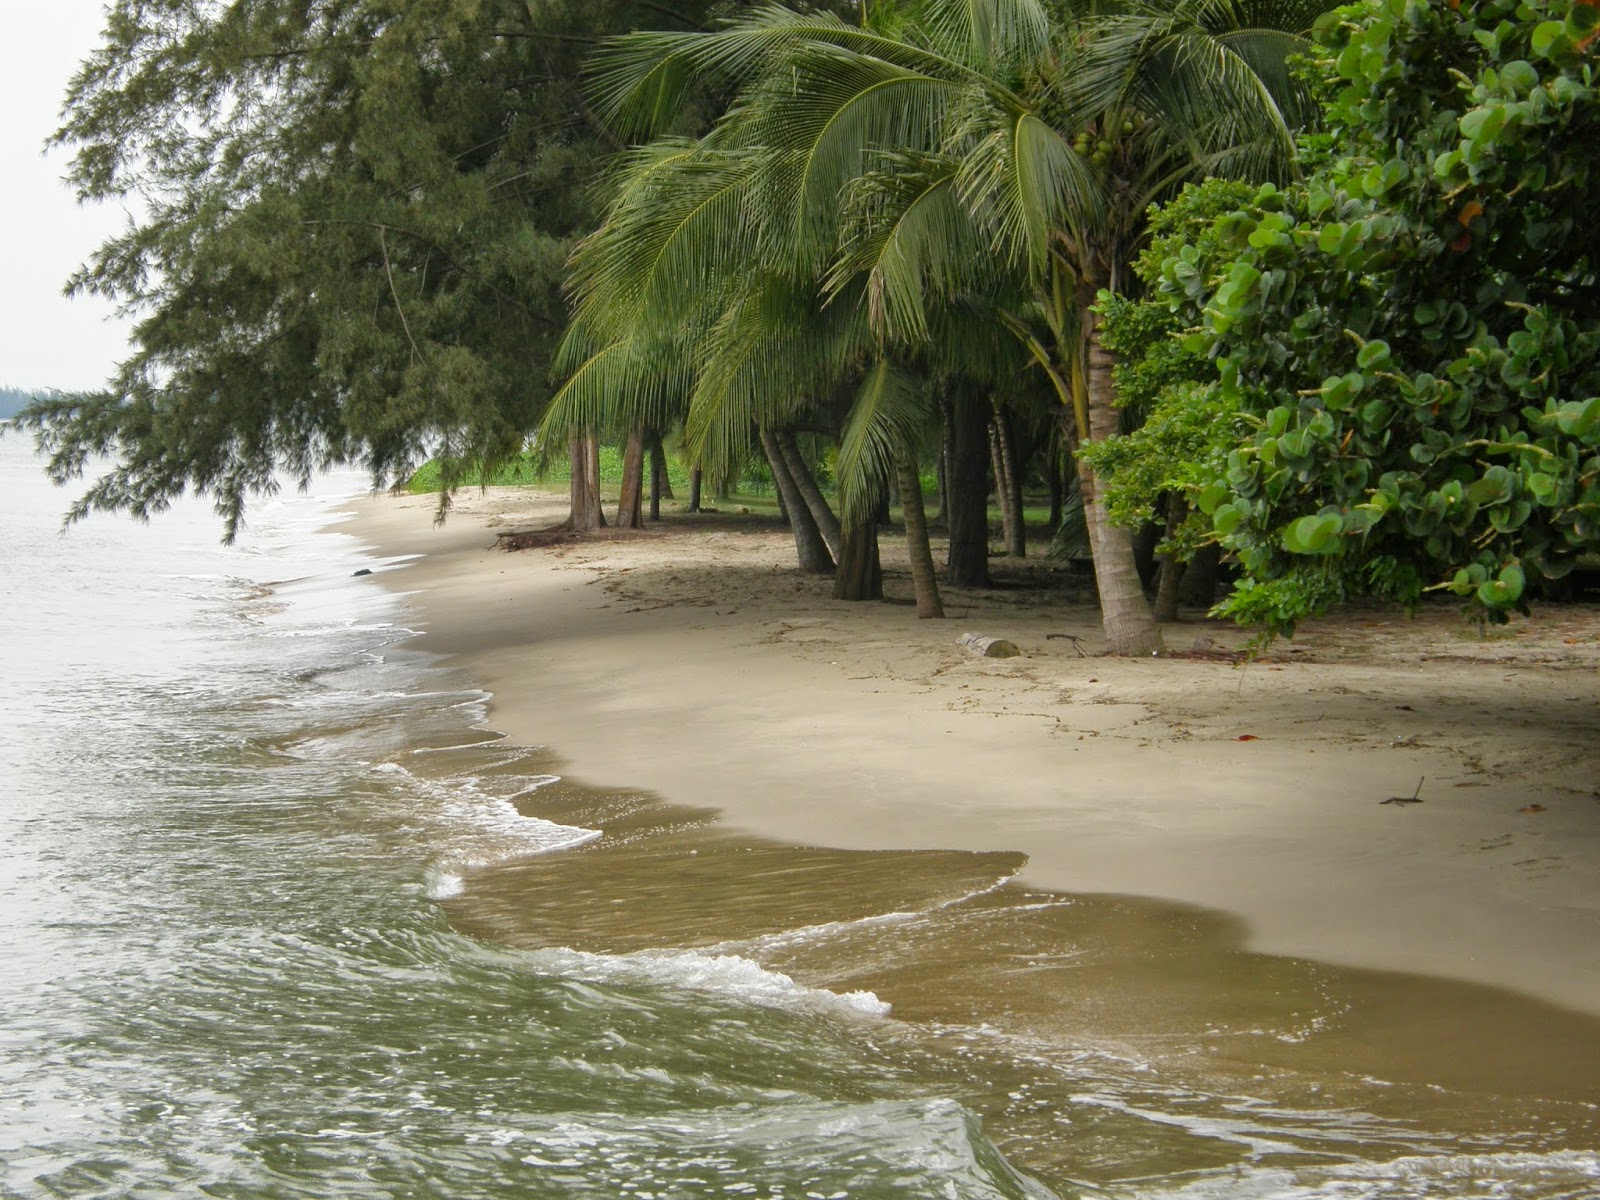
pixel 1098 149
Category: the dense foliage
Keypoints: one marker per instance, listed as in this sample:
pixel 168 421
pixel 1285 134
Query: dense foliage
pixel 1183 431
pixel 1413 332
pixel 352 221
pixel 932 192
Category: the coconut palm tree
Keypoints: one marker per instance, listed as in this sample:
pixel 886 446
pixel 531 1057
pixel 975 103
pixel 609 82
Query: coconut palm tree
pixel 946 150
pixel 675 319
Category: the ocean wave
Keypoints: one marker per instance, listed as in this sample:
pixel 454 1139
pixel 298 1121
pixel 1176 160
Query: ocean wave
pixel 727 975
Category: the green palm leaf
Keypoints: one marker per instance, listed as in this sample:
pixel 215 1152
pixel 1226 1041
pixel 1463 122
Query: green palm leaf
pixel 890 407
pixel 676 232
pixel 909 237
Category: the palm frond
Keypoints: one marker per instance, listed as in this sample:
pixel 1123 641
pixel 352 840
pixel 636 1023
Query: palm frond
pixel 819 123
pixel 909 237
pixel 1212 85
pixel 618 388
pixel 770 353
pixel 1022 181
pixel 890 408
pixel 673 238
pixel 638 82
pixel 984 33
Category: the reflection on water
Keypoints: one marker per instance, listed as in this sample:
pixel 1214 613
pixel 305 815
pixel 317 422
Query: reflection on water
pixel 280 919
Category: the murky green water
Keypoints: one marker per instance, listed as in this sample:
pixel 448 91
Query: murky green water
pixel 279 919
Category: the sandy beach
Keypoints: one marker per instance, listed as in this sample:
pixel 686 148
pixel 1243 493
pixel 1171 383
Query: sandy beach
pixel 692 661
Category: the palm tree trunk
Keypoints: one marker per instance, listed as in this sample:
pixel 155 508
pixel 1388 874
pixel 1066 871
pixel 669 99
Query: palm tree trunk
pixel 810 549
pixel 860 574
pixel 967 486
pixel 1011 501
pixel 924 580
pixel 660 483
pixel 1166 607
pixel 585 485
pixel 1052 479
pixel 696 475
pixel 806 483
pixel 629 506
pixel 1001 491
pixel 1130 627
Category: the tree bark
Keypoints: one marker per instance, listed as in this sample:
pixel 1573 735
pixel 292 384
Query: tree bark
pixel 967 485
pixel 1001 491
pixel 1011 500
pixel 924 579
pixel 695 475
pixel 660 482
pixel 810 549
pixel 1166 607
pixel 585 486
pixel 806 482
pixel 1052 479
pixel 629 514
pixel 860 574
pixel 1130 627
pixel 1145 539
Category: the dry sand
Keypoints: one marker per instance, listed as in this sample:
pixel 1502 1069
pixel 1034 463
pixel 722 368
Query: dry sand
pixel 691 660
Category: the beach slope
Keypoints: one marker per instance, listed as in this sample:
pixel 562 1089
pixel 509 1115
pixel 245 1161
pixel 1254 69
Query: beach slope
pixel 692 661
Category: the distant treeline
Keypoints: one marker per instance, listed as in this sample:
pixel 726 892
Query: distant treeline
pixel 14 400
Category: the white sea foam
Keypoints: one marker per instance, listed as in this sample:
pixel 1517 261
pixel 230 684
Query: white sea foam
pixel 473 827
pixel 825 931
pixel 729 975
pixel 1564 1173
pixel 442 884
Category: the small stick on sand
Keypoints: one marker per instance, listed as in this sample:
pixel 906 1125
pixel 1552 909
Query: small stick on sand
pixel 1414 798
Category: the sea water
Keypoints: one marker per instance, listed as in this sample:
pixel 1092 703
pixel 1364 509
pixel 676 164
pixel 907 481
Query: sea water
pixel 281 916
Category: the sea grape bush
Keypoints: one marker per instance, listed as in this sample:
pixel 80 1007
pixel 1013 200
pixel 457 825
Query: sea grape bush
pixel 1411 334
pixel 1183 434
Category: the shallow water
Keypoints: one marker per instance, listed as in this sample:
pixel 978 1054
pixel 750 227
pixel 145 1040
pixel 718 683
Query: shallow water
pixel 281 918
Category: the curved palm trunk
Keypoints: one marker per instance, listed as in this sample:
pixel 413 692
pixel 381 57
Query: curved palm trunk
pixel 1130 626
pixel 923 577
pixel 810 549
pixel 806 483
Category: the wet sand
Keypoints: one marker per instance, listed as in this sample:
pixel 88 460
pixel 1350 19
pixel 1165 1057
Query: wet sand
pixel 692 660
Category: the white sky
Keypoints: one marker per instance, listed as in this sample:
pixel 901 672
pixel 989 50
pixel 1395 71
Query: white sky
pixel 47 340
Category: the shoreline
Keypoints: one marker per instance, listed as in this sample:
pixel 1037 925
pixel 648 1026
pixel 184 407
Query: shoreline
pixel 692 661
